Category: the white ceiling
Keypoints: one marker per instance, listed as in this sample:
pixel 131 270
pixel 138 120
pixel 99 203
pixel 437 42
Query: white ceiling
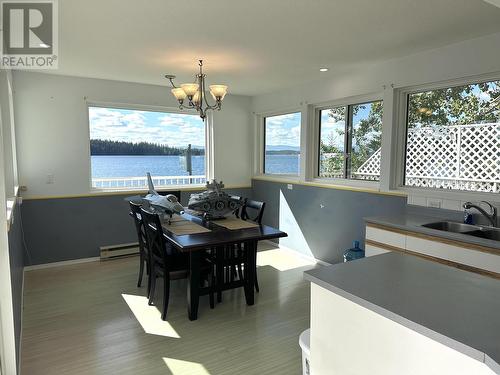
pixel 255 46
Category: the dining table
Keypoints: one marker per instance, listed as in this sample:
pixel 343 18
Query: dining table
pixel 214 234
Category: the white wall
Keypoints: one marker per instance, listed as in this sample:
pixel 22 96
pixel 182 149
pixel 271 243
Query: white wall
pixel 7 336
pixel 468 58
pixel 9 147
pixel 53 135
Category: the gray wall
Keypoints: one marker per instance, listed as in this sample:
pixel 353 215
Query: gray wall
pixel 16 254
pixel 61 229
pixel 326 231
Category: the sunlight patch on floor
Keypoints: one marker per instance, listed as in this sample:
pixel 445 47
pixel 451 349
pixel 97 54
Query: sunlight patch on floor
pixel 282 260
pixel 180 367
pixel 149 317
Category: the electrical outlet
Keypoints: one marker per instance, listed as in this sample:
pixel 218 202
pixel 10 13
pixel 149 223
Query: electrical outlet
pixel 289 187
pixel 434 203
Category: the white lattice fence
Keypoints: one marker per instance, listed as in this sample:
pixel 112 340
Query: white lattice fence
pixel 462 157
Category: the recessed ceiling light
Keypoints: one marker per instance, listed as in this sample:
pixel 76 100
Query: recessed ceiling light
pixel 323 69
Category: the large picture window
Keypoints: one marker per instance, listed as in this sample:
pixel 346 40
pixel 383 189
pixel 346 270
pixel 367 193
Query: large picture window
pixel 282 144
pixel 453 138
pixel 350 141
pixel 125 144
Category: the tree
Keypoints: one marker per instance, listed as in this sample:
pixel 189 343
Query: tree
pixel 468 104
pixel 460 105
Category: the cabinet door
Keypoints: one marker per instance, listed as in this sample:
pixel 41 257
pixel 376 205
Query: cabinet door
pixel 384 236
pixel 456 254
pixel 371 250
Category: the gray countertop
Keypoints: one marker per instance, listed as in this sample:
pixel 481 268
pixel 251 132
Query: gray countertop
pixel 413 223
pixel 456 308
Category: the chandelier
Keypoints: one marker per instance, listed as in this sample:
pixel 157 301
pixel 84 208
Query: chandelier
pixel 195 93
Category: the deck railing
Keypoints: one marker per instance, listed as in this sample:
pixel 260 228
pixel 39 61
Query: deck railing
pixel 142 182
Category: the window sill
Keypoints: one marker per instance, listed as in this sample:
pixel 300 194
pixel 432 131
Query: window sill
pixel 128 191
pixel 375 185
pixel 331 185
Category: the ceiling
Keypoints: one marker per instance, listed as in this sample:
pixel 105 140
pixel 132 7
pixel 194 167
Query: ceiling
pixel 255 46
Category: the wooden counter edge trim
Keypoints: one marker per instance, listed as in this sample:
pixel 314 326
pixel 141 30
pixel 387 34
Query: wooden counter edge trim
pixel 447 241
pixel 434 259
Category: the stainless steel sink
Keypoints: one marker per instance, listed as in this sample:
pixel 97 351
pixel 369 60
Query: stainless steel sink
pixel 489 233
pixel 451 226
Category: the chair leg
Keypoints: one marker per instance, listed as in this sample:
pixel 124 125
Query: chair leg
pixel 141 270
pixel 166 294
pixel 148 270
pixel 212 284
pixel 256 283
pixel 153 286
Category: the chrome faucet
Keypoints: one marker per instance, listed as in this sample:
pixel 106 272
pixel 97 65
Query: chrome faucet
pixel 492 216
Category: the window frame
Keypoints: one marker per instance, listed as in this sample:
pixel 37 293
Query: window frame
pixel 260 139
pixel 209 141
pixel 316 136
pixel 399 145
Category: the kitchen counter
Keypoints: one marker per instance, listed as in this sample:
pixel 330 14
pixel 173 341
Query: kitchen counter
pixel 413 223
pixel 456 308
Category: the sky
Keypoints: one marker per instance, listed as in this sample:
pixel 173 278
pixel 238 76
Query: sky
pixel 329 126
pixel 127 125
pixel 283 130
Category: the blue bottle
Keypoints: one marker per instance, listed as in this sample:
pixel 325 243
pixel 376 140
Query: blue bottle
pixel 468 218
pixel 355 253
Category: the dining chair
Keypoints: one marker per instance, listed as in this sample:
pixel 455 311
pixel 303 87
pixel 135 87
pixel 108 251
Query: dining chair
pixel 254 211
pixel 135 213
pixel 166 261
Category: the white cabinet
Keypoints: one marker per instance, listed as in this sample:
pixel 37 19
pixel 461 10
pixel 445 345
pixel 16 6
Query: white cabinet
pixel 386 237
pixel 380 240
pixel 371 250
pixel 457 254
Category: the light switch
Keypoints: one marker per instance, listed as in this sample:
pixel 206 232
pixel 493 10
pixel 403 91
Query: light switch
pixel 50 179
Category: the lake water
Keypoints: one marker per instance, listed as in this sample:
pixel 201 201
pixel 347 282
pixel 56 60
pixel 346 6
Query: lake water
pixel 137 166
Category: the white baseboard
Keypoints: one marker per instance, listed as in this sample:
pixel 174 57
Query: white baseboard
pixel 297 253
pixel 60 264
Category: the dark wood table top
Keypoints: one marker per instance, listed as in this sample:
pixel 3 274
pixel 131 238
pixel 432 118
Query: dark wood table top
pixel 219 235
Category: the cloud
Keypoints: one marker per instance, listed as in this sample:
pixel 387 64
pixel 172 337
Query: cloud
pixel 174 129
pixel 283 130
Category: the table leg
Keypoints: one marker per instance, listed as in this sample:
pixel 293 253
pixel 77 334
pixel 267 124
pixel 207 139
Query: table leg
pixel 251 253
pixel 193 290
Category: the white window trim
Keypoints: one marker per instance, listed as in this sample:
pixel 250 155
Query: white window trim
pixel 259 142
pixel 209 140
pixel 399 144
pixel 315 139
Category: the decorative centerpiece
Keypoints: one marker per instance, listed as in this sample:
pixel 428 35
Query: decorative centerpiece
pixel 213 203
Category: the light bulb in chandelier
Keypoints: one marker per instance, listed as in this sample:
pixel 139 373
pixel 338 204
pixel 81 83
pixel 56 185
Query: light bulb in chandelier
pixel 196 94
pixel 190 88
pixel 179 94
pixel 218 92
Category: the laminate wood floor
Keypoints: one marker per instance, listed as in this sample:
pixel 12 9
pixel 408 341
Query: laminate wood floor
pixel 90 318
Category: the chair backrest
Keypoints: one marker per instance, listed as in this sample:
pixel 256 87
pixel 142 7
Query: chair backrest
pixel 253 210
pixel 154 233
pixel 135 213
pixel 237 212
